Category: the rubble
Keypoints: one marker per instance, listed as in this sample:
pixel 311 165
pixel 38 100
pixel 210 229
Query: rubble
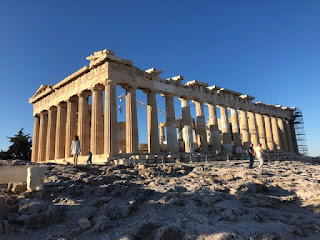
pixel 205 200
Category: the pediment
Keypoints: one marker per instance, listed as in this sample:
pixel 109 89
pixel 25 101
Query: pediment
pixel 43 88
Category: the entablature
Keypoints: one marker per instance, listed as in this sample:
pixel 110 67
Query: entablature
pixel 104 65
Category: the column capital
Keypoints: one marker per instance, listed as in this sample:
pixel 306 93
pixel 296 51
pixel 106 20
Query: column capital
pixel 109 82
pixel 44 112
pixel 97 87
pixel 72 98
pixel 62 104
pixel 184 99
pixel 234 108
pixel 128 87
pixel 167 94
pixel 197 101
pixel 52 108
pixel 210 103
pixel 85 93
pixel 150 91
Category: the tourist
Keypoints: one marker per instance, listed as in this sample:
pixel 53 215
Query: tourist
pixel 259 154
pixel 89 160
pixel 75 149
pixel 250 154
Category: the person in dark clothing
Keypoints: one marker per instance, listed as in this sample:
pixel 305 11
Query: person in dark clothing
pixel 89 160
pixel 250 154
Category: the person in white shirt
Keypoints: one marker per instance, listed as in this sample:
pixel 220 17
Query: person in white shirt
pixel 259 154
pixel 75 149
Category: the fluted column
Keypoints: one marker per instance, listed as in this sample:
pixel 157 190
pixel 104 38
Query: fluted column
pixel 61 130
pixel 201 127
pixel 289 136
pixel 269 135
pixel 132 141
pixel 43 136
pixel 244 129
pixel 35 140
pixel 152 118
pixel 275 133
pixel 186 125
pixel 172 143
pixel 51 133
pixel 162 133
pixel 294 137
pixel 71 124
pixel 97 120
pixel 179 128
pixel 261 130
pixel 283 136
pixel 110 119
pixel 84 123
pixel 254 138
pixel 214 130
pixel 225 129
pixel 235 130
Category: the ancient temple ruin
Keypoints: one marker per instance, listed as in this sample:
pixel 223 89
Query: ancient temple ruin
pixel 61 111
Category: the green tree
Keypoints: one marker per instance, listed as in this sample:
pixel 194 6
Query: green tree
pixel 4 155
pixel 20 147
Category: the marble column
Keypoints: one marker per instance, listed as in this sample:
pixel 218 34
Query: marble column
pixel 172 142
pixel 35 140
pixel 179 128
pixel 244 129
pixel 294 137
pixel 215 140
pixel 201 127
pixel 254 138
pixel 96 143
pixel 289 136
pixel 283 136
pixel 186 125
pixel 43 136
pixel 236 131
pixel 225 129
pixel 261 130
pixel 275 133
pixel 51 133
pixel 110 120
pixel 152 118
pixel 269 135
pixel 132 140
pixel 71 124
pixel 162 133
pixel 61 131
pixel 84 123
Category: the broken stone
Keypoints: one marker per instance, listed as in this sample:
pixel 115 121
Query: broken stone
pixel 35 177
pixel 84 223
pixel 17 187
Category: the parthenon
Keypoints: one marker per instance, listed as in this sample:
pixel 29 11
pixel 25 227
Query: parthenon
pixel 61 111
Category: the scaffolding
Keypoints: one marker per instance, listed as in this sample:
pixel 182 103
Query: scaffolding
pixel 300 133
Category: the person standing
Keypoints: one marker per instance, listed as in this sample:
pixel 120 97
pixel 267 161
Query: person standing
pixel 259 154
pixel 75 149
pixel 250 154
pixel 89 160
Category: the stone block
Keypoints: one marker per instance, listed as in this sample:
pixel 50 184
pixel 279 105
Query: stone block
pixel 84 223
pixel 35 177
pixel 13 174
pixel 17 187
pixel 32 194
pixel 126 161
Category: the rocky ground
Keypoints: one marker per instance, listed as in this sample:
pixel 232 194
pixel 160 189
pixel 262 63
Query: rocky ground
pixel 214 200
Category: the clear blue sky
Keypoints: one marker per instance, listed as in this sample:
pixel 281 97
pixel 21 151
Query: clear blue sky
pixel 268 49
